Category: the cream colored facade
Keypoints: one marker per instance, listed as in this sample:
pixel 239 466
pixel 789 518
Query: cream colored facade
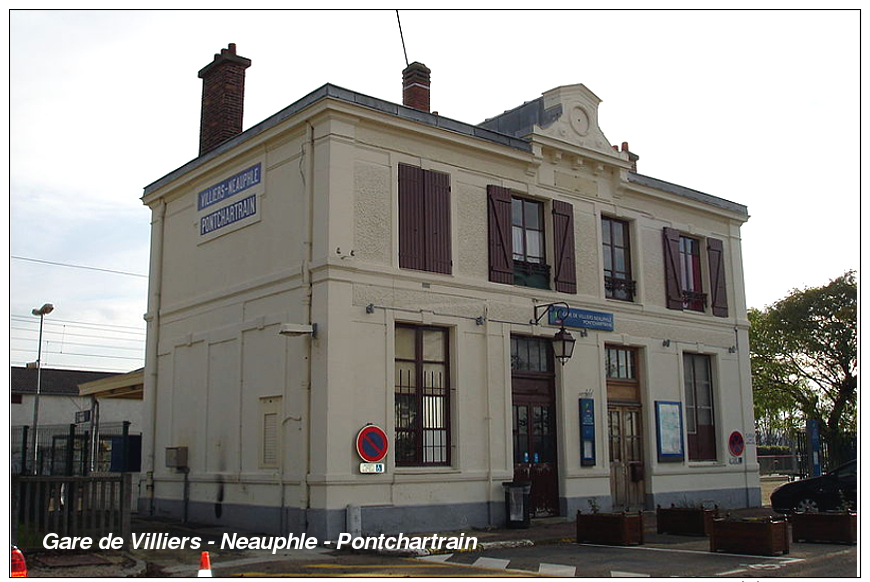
pixel 270 421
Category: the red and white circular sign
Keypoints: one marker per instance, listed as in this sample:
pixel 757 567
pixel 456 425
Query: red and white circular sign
pixel 372 443
pixel 736 444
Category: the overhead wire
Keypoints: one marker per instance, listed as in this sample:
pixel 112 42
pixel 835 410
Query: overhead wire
pixel 404 50
pixel 73 266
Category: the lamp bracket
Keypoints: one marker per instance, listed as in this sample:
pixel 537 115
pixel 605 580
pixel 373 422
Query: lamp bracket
pixel 546 309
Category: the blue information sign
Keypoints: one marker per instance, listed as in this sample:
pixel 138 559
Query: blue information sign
pixel 229 187
pixel 572 317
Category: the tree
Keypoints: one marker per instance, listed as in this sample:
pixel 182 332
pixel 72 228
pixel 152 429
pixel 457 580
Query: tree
pixel 804 357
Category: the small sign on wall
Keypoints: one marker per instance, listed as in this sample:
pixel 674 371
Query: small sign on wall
pixel 587 432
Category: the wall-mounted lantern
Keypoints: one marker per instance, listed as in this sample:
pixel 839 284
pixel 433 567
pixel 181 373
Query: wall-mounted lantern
pixel 563 341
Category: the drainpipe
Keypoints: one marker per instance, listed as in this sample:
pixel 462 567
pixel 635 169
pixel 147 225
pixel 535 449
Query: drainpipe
pixel 488 426
pixel 155 282
pixel 306 278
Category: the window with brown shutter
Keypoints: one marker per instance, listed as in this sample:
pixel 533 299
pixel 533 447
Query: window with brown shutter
pixel 718 295
pixel 565 271
pixel 501 260
pixel 673 288
pixel 527 242
pixel 683 285
pixel 424 220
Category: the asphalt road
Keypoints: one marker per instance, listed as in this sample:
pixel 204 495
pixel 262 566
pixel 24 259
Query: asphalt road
pixel 571 559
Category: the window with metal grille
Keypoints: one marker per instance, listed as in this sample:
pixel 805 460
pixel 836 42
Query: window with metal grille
pixel 422 396
pixel 700 422
pixel 618 283
pixel 527 242
pixel 690 274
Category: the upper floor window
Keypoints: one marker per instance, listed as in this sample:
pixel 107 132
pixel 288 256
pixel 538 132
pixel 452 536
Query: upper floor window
pixel 517 241
pixel 690 274
pixel 424 220
pixel 527 230
pixel 683 273
pixel 618 283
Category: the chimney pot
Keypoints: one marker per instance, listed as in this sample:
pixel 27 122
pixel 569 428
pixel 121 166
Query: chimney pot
pixel 223 98
pixel 415 86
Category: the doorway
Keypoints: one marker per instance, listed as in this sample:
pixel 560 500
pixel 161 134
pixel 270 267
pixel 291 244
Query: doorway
pixel 626 457
pixel 533 400
pixel 625 429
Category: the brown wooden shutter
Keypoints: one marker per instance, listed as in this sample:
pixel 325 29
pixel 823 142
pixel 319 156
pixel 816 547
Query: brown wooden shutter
pixel 718 296
pixel 501 256
pixel 673 288
pixel 411 227
pixel 438 256
pixel 565 269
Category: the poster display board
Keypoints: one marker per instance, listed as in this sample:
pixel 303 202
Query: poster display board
pixel 669 431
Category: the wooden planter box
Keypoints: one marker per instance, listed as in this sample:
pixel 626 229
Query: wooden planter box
pixel 758 537
pixel 840 528
pixel 689 521
pixel 613 529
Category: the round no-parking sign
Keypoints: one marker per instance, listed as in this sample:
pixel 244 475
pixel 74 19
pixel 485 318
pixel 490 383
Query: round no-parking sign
pixel 372 443
pixel 736 444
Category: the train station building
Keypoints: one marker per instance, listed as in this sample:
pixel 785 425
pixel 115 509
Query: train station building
pixel 507 301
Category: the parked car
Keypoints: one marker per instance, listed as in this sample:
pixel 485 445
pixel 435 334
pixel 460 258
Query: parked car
pixel 18 566
pixel 837 489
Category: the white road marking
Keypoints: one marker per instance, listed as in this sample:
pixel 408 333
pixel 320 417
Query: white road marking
pixel 560 570
pixel 494 563
pixel 729 572
pixel 436 557
pixel 618 574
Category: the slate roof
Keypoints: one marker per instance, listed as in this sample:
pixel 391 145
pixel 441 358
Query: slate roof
pixel 54 381
pixel 503 129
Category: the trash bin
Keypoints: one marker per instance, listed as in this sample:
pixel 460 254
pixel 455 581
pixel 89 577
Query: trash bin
pixel 516 500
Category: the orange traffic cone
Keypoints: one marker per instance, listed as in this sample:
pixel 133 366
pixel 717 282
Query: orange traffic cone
pixel 204 566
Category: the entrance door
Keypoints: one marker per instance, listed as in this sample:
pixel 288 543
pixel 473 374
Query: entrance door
pixel 533 395
pixel 626 457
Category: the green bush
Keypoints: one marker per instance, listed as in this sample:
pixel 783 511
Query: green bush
pixel 773 450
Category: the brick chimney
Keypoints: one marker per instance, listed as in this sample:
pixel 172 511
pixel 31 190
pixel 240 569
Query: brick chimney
pixel 632 157
pixel 223 98
pixel 415 86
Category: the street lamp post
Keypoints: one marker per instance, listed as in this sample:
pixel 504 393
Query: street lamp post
pixel 41 312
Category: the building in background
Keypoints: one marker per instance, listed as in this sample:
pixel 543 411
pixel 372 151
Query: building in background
pixel 65 408
pixel 350 262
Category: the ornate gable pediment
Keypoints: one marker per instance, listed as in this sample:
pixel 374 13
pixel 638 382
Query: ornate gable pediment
pixel 578 122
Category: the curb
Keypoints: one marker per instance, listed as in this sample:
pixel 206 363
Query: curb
pixel 137 570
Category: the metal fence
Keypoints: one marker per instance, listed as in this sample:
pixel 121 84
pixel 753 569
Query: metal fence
pixel 69 506
pixel 72 450
pixel 798 463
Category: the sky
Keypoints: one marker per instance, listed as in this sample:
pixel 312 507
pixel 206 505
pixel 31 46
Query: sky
pixel 759 107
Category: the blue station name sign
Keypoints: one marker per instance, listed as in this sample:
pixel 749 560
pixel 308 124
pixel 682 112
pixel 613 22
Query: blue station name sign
pixel 572 317
pixel 230 187
pixel 228 215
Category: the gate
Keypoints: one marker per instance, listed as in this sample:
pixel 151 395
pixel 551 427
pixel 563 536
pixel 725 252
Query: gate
pixel 70 506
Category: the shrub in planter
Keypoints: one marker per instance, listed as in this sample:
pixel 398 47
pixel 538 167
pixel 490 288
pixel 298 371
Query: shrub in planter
pixel 757 536
pixel 615 529
pixel 836 527
pixel 691 521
